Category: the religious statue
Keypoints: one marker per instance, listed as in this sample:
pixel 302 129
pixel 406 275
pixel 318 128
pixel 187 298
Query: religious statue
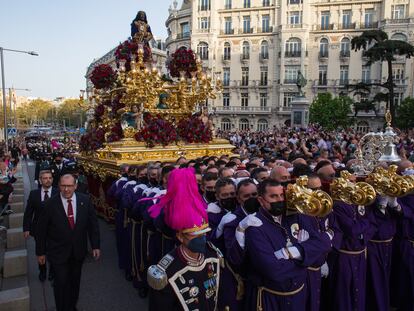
pixel 162 104
pixel 132 118
pixel 140 30
pixel 300 82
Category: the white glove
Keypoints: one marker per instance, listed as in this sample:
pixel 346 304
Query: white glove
pixel 392 202
pixel 303 235
pixel 250 221
pixel 229 217
pixel 325 270
pixel 282 254
pixel 240 238
pixel 383 200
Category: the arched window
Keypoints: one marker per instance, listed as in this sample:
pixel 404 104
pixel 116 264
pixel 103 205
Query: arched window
pixel 246 50
pixel 362 127
pixel 345 47
pixel 262 125
pixel 399 36
pixel 293 47
pixel 244 125
pixel 202 50
pixel 227 51
pixel 264 50
pixel 323 47
pixel 225 124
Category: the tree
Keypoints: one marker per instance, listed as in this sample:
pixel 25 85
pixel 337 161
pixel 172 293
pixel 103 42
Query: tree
pixel 377 47
pixel 73 111
pixel 405 114
pixel 331 113
pixel 35 112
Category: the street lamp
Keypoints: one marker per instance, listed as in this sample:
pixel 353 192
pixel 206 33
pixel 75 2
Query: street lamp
pixel 3 84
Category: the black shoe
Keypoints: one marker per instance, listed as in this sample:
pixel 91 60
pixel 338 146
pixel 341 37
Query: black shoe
pixel 128 276
pixel 143 292
pixel 42 276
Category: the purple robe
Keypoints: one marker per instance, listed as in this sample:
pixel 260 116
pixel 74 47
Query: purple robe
pixel 281 275
pixel 348 275
pixel 379 256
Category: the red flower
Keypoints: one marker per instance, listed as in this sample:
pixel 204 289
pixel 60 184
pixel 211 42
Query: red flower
pixel 102 76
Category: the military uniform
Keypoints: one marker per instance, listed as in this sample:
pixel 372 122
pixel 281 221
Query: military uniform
pixel 180 283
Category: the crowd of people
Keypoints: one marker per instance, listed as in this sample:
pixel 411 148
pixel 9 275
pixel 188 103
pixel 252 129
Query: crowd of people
pixel 215 233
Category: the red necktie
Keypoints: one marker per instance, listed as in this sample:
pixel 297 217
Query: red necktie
pixel 70 215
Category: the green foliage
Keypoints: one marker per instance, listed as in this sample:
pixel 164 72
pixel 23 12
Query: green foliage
pixel 35 111
pixel 331 112
pixel 405 114
pixel 72 111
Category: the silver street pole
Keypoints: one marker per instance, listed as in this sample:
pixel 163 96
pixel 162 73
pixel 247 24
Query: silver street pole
pixel 3 86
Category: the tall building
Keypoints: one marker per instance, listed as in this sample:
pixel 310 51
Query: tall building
pixel 259 46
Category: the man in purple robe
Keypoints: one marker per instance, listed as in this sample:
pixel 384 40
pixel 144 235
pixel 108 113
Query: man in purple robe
pixel 279 252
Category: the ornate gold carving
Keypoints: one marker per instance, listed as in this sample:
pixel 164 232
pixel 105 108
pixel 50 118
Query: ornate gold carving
pixel 360 193
pixel 388 182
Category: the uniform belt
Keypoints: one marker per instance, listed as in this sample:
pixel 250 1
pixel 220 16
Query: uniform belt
pixel 344 251
pixel 381 241
pixel 314 269
pixel 136 222
pixel 260 290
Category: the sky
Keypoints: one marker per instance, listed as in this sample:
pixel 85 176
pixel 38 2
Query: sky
pixel 68 35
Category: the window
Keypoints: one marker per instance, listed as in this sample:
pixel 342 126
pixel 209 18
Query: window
pixel 265 23
pixel 343 75
pixel 346 19
pixel 399 36
pixel 325 20
pixel 362 127
pixel 398 73
pixel 366 74
pixel 266 3
pixel 263 101
pixel 398 11
pixel 293 47
pixel 323 47
pixel 246 3
pixel 291 74
pixel 262 125
pixel 369 18
pixel 244 125
pixel 246 24
pixel 245 50
pixel 226 101
pixel 294 1
pixel 294 18
pixel 204 5
pixel 227 4
pixel 228 29
pixel 185 30
pixel 225 124
pixel 202 50
pixel 226 76
pixel 345 47
pixel 398 97
pixel 244 101
pixel 323 73
pixel 227 51
pixel 264 50
pixel 204 23
pixel 263 75
pixel 245 76
pixel 287 99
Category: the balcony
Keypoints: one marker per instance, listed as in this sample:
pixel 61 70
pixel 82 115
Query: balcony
pixel 289 81
pixel 245 30
pixel 347 26
pixel 343 82
pixel 183 35
pixel 203 7
pixel 227 32
pixel 227 6
pixel 265 30
pixel 296 25
pixel 242 110
pixel 264 57
pixel 226 58
pixel 344 55
pixel 293 53
pixel 372 25
pixel 244 58
pixel 392 21
pixel 323 55
pixel 325 27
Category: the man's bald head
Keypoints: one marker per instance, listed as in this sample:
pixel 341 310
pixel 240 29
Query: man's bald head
pixel 404 164
pixel 280 174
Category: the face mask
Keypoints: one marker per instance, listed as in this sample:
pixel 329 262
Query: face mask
pixel 198 244
pixel 153 182
pixel 228 204
pixel 251 205
pixel 277 208
pixel 285 183
pixel 143 180
pixel 210 196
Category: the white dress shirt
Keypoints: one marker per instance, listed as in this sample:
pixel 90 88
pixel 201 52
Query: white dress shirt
pixel 65 205
pixel 43 192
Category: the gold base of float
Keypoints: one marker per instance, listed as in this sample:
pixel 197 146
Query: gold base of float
pixel 107 161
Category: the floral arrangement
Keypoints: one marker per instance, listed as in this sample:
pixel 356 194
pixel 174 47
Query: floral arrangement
pixel 102 76
pixel 182 60
pixel 193 130
pixel 157 131
pixel 116 133
pixel 92 140
pixel 128 48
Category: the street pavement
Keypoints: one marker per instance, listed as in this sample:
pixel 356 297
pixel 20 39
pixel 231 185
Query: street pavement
pixel 103 286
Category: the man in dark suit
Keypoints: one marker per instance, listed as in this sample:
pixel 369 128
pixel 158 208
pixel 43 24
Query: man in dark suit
pixel 57 168
pixel 66 222
pixel 33 209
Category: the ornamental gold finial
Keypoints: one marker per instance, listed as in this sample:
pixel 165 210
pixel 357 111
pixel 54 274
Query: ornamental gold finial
pixel 359 193
pixel 388 182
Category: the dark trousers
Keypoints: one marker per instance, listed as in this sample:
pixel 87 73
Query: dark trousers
pixel 43 269
pixel 66 285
